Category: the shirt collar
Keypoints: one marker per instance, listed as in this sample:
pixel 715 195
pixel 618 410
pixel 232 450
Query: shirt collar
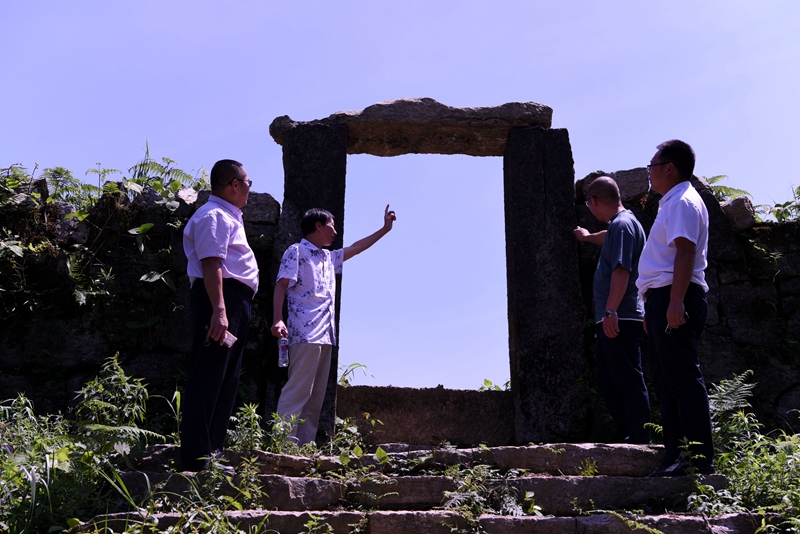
pixel 227 206
pixel 309 245
pixel 616 215
pixel 677 190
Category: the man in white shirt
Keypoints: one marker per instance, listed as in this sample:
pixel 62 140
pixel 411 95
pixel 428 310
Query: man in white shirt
pixel 672 284
pixel 307 277
pixel 224 277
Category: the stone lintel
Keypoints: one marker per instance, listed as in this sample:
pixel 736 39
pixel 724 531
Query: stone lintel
pixel 425 126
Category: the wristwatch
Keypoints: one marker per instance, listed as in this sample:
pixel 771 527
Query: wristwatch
pixel 610 313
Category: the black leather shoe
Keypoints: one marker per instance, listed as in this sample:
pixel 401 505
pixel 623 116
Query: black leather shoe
pixel 685 469
pixel 665 468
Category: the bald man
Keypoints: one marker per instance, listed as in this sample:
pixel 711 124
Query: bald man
pixel 619 311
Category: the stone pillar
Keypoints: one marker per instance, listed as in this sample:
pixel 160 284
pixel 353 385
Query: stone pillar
pixel 545 312
pixel 314 166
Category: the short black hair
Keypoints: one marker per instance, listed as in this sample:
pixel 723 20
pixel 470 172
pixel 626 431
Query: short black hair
pixel 681 155
pixel 308 224
pixel 223 172
pixel 604 188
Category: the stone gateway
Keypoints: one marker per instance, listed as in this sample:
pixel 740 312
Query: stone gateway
pixel 545 308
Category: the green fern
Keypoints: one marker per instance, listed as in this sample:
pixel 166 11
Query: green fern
pixel 724 192
pixel 730 395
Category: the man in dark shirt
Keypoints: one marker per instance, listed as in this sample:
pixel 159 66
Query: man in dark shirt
pixel 618 310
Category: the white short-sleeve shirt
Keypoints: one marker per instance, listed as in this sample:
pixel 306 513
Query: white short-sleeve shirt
pixel 311 292
pixel 681 213
pixel 216 230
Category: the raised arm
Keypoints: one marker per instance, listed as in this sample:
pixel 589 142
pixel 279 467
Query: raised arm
pixel 363 244
pixel 583 235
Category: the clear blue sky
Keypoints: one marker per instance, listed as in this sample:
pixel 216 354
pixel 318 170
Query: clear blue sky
pixel 93 81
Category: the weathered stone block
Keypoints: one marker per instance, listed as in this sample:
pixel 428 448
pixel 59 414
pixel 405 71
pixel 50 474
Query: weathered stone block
pixel 569 458
pixel 430 522
pixel 720 357
pixel 739 212
pixel 751 311
pixel 567 495
pixel 401 493
pixel 610 524
pixel 545 307
pixel 427 416
pixel 425 126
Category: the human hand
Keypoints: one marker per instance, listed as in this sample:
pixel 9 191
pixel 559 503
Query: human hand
pixel 676 314
pixel 217 326
pixel 279 329
pixel 388 218
pixel 611 327
pixel 580 233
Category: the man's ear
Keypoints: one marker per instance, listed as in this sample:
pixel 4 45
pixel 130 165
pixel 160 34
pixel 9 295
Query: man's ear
pixel 318 225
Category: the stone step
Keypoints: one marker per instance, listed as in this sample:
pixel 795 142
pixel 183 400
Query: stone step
pixel 554 459
pixel 444 522
pixel 556 495
pixel 560 496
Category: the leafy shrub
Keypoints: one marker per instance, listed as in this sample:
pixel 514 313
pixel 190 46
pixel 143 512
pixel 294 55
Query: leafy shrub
pixel 763 471
pixel 789 210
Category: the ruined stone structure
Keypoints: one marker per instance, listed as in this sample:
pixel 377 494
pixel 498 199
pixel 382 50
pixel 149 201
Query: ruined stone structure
pixel 51 350
pixel 545 309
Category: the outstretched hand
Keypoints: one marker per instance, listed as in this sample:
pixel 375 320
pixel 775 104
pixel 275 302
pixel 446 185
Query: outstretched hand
pixel 388 218
pixel 363 244
pixel 580 233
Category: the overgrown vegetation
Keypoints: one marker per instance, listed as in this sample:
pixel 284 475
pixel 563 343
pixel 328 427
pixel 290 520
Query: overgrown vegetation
pixel 724 192
pixel 763 470
pixel 38 222
pixel 782 211
pixel 57 472
pixel 789 210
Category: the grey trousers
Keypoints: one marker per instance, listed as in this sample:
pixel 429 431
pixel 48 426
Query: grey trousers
pixel 303 394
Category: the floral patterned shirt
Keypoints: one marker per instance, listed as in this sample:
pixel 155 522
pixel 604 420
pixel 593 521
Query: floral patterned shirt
pixel 311 292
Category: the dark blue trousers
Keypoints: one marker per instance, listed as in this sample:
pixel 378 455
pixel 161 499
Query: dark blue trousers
pixel 213 374
pixel 681 390
pixel 621 382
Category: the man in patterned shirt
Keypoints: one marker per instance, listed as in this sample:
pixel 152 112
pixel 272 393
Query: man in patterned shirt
pixel 307 278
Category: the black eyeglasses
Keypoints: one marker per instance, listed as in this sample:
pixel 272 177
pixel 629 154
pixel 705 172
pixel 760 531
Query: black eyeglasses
pixel 248 182
pixel 654 164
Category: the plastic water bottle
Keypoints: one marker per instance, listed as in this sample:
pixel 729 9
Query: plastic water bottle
pixel 283 352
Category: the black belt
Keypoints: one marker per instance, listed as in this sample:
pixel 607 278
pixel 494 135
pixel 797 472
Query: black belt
pixel 241 286
pixel 650 291
pixel 232 283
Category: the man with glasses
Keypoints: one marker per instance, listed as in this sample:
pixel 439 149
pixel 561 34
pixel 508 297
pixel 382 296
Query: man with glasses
pixel 672 284
pixel 618 310
pixel 224 278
